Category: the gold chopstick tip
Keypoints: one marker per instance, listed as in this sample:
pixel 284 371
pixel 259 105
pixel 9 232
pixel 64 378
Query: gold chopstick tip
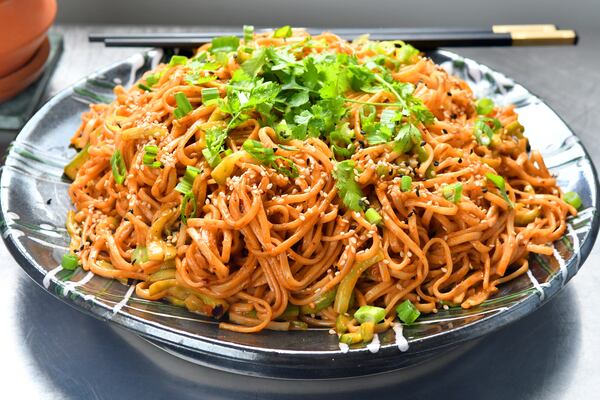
pixel 558 37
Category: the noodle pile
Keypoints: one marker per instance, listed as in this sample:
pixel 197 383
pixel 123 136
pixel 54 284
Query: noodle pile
pixel 274 229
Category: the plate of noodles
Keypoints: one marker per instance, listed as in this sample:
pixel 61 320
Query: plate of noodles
pixel 287 205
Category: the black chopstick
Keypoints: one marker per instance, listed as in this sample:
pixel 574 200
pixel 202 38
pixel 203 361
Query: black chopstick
pixel 340 31
pixel 95 37
pixel 424 38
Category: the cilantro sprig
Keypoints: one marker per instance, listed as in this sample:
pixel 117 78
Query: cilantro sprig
pixel 348 188
pixel 267 156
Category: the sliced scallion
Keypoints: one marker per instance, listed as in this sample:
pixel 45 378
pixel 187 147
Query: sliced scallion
pixel 144 87
pixel 70 261
pixel 152 79
pixel 149 159
pixel 453 192
pixel 209 95
pixel 248 33
pixel 407 312
pixel 373 216
pixel 118 167
pixel 139 255
pixel 189 197
pixel 484 106
pixel 501 185
pixel 370 314
pixel 573 199
pixel 185 184
pixel 178 60
pixel 184 106
pixel 406 183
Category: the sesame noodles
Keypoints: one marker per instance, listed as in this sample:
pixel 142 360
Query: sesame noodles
pixel 254 206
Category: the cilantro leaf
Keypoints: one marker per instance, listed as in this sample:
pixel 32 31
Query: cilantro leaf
pixel 283 32
pixel 298 99
pixel 349 190
pixel 253 65
pixel 408 136
pixel 267 156
pixel 214 138
pixel 224 44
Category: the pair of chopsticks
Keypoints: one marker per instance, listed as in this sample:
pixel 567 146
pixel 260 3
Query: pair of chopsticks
pixel 424 38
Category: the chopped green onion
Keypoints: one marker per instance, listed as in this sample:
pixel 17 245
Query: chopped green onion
pixel 484 106
pixel 178 60
pixel 407 312
pixel 370 314
pixel 153 79
pixel 150 156
pixel 248 33
pixel 151 150
pixel 210 94
pixel 500 184
pixel 70 261
pixel 118 167
pixel 346 286
pixel 224 44
pixel 373 216
pixel 185 184
pixel 291 312
pixel 406 183
pixel 184 106
pixel 139 255
pixel 482 130
pixel 351 338
pixel 144 87
pixel 75 164
pixel 453 192
pixel 322 302
pixel 298 326
pixel 184 205
pixel 406 53
pixel 341 323
pixel 283 32
pixel 573 199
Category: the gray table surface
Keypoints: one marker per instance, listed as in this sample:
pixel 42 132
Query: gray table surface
pixel 51 351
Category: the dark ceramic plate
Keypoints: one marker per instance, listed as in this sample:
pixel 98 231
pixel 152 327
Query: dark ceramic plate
pixel 34 202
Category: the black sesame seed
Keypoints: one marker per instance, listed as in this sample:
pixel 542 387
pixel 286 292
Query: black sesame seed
pixel 362 132
pixel 410 214
pixel 444 131
pixel 423 143
pixel 417 191
pixel 449 94
pixel 460 160
pixel 453 116
pixel 48 201
pixel 436 163
pixel 484 190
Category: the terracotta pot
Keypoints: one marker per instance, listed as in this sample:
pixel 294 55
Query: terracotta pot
pixel 17 81
pixel 23 27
